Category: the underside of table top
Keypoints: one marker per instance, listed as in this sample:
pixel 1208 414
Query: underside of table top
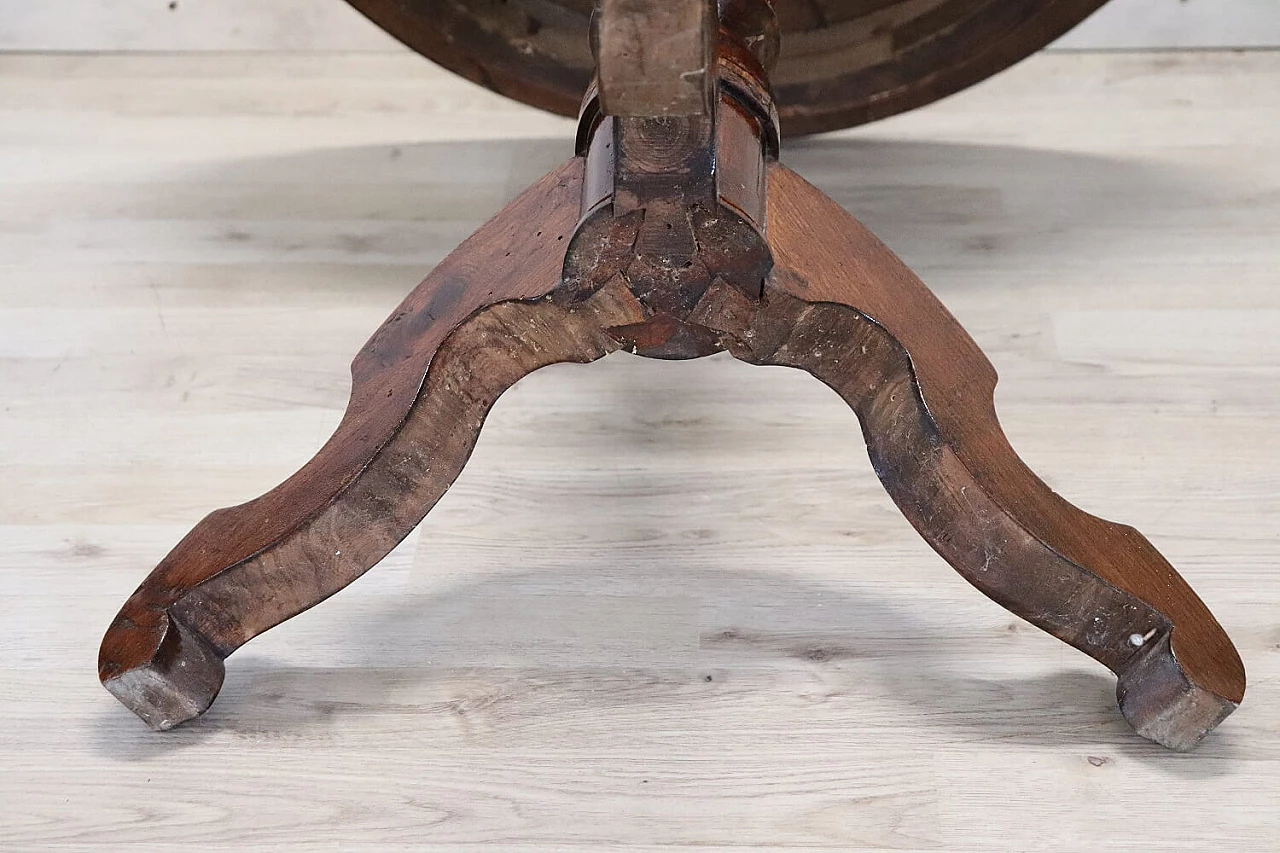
pixel 843 62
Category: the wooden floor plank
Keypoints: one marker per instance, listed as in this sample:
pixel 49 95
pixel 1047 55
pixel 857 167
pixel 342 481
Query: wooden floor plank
pixel 737 642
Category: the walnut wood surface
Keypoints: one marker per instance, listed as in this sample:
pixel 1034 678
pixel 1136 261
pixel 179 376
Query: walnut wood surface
pixel 925 393
pixel 843 62
pixel 636 243
pixel 655 59
pixel 837 304
pixel 528 672
pixel 246 568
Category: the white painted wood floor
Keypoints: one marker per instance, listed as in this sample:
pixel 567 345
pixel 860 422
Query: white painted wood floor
pixel 667 605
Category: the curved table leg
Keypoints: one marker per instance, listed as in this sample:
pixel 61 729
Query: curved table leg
pixel 843 307
pixel 420 392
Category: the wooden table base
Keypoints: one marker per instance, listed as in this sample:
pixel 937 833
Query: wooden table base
pixel 675 233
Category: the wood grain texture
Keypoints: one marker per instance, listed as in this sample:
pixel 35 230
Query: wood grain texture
pixel 962 485
pixel 191 249
pixel 841 62
pixel 319 25
pixel 405 436
pixel 654 59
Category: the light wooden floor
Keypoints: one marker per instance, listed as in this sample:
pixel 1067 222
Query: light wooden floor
pixel 668 604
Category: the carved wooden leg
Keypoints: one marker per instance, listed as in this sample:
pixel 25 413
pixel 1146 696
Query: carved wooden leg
pixel 843 307
pixel 685 237
pixel 479 323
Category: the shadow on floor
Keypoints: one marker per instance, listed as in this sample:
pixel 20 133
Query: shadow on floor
pixel 980 200
pixel 942 206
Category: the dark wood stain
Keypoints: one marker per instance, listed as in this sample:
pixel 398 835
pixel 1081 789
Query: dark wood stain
pixel 686 237
pixel 827 77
